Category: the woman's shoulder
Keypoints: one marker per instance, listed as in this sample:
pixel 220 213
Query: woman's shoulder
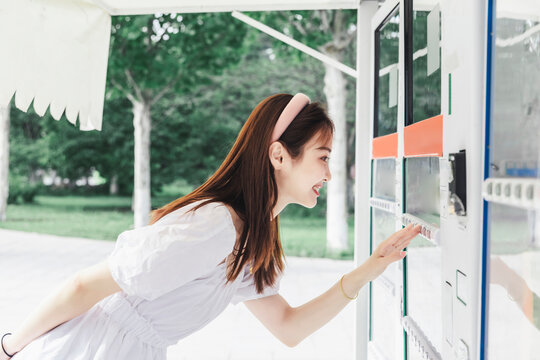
pixel 210 212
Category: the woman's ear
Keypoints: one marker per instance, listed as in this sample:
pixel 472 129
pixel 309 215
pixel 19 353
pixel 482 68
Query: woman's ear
pixel 277 152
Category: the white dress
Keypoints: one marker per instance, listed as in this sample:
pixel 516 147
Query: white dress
pixel 173 284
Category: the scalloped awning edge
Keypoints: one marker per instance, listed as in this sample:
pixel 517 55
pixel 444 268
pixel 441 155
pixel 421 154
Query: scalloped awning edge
pixel 58 58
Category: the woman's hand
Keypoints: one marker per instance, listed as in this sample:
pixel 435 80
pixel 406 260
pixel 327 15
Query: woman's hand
pixel 390 250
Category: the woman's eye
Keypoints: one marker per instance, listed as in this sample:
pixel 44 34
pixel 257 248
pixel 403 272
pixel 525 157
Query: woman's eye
pixel 325 158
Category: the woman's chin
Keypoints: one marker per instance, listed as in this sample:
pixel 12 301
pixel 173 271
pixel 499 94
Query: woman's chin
pixel 310 204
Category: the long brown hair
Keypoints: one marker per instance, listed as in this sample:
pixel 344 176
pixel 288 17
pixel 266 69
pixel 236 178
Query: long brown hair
pixel 246 182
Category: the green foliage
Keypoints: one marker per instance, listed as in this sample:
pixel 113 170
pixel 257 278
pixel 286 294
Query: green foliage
pixel 43 143
pixel 95 190
pixel 72 153
pixel 177 51
pixel 114 150
pixel 20 190
pixel 29 145
pixel 160 59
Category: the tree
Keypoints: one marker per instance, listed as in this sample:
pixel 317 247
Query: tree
pixel 152 56
pixel 332 32
pixel 75 154
pixel 42 144
pixel 29 145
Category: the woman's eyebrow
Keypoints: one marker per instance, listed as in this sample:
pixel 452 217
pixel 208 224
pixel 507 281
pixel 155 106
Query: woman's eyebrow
pixel 324 148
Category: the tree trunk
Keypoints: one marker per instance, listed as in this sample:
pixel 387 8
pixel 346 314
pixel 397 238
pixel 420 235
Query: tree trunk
pixel 4 161
pixel 141 189
pixel 336 212
pixel 113 186
pixel 33 178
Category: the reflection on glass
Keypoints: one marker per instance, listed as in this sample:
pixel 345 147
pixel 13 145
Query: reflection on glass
pixel 387 43
pixel 426 86
pixel 422 188
pixel 384 179
pixel 383 225
pixel 516 99
pixel 384 304
pixel 514 292
pixel 514 230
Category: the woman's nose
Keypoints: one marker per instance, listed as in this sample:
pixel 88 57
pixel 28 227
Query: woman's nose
pixel 328 175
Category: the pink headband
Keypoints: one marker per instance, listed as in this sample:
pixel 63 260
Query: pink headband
pixel 297 103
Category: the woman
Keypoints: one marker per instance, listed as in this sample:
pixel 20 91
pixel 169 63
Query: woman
pixel 216 245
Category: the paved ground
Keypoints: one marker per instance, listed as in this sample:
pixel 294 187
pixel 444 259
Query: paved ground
pixel 31 265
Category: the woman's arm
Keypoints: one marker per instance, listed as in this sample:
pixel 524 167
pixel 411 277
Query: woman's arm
pixel 515 286
pixel 73 297
pixel 291 325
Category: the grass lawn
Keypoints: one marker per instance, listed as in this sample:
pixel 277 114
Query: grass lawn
pixel 104 217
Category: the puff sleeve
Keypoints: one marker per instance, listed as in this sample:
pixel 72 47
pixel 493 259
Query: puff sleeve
pixel 156 259
pixel 248 291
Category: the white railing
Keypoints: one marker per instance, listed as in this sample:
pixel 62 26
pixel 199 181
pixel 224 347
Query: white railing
pixel 519 192
pixel 385 205
pixel 419 339
pixel 430 232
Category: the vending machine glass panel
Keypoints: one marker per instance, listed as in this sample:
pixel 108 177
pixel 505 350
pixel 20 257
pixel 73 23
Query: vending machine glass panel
pixel 384 179
pixel 386 75
pixel 514 216
pixel 384 291
pixel 426 64
pixel 424 265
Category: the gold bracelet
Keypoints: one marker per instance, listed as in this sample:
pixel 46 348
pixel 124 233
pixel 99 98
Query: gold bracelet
pixel 341 287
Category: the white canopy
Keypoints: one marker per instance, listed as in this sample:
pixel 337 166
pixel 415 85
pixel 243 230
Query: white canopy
pixel 55 52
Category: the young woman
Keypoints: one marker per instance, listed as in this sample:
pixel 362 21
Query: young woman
pixel 219 244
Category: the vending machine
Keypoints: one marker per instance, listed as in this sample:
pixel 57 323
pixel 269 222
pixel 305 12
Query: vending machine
pixel 455 148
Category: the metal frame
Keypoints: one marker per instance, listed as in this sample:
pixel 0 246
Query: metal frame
pixel 362 210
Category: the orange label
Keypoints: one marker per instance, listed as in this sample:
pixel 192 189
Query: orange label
pixel 385 146
pixel 424 138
